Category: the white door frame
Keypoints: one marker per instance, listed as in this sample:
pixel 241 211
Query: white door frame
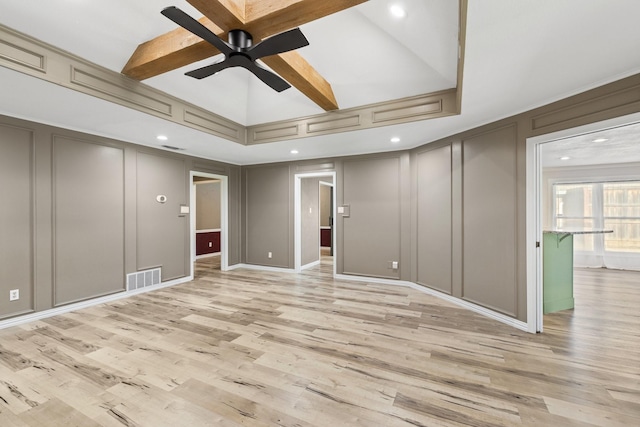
pixel 534 210
pixel 297 206
pixel 224 218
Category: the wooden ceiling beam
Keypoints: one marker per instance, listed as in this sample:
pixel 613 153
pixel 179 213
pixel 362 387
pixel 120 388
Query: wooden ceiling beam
pixel 227 14
pixel 171 51
pixel 296 70
pixel 266 18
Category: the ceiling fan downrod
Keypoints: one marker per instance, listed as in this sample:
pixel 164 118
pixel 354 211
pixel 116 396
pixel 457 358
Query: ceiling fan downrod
pixel 240 39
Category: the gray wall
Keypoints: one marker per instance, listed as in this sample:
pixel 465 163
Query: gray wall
pixel 79 212
pixel 162 236
pixel 269 214
pixel 208 205
pixel 371 233
pixel 88 219
pixel 17 181
pixel 310 220
pixel 489 219
pixel 434 210
pixel 325 204
pixel 235 229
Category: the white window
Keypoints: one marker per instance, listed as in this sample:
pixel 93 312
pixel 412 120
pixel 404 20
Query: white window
pixel 621 212
pixel 601 205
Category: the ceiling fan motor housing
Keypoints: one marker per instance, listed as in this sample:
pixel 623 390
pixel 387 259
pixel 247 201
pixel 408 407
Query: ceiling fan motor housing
pixel 240 39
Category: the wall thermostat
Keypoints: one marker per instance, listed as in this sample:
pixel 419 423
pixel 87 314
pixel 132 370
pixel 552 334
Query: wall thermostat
pixel 161 198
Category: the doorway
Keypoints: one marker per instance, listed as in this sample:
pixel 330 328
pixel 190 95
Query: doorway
pixel 326 218
pixel 208 222
pixel 535 199
pixel 308 228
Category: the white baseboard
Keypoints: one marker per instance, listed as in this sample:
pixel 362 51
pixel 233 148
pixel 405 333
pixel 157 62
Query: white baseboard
pixel 518 324
pixel 15 321
pixel 261 268
pixel 310 265
pixel 208 255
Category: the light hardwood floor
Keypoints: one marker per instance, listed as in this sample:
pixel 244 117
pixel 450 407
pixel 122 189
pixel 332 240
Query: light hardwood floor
pixel 278 349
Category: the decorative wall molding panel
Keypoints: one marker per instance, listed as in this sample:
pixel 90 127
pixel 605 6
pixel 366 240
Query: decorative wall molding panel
pixel 21 56
pixel 209 123
pixel 102 85
pixel 97 195
pixel 416 108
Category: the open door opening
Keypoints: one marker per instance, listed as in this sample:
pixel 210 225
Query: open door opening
pixel 208 223
pixel 326 220
pixel 315 233
pixel 581 186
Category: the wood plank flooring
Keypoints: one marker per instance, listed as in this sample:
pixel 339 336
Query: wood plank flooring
pixel 277 349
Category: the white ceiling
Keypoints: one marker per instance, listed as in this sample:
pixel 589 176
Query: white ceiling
pixel 620 144
pixel 520 54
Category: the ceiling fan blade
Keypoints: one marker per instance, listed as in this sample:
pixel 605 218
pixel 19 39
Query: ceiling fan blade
pixel 192 25
pixel 283 42
pixel 273 80
pixel 209 70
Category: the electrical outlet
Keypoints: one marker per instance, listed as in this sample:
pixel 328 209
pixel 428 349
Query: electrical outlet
pixel 210 244
pixel 14 294
pixel 269 255
pixel 394 265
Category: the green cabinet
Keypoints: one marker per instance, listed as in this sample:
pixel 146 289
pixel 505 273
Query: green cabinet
pixel 557 255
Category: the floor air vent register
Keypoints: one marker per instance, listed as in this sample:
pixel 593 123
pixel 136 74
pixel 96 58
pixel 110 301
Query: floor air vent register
pixel 142 279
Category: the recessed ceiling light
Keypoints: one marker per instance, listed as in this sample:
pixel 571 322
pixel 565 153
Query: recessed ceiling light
pixel 294 151
pixel 600 140
pixel 397 11
pixel 395 139
pixel 161 137
pixel 565 158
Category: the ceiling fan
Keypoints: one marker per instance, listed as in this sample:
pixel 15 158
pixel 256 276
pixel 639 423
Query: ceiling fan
pixel 240 51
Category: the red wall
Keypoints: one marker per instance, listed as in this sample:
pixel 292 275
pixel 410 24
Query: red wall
pixel 325 237
pixel 203 240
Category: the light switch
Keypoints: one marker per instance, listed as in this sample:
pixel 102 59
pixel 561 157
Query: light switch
pixel 184 209
pixel 340 209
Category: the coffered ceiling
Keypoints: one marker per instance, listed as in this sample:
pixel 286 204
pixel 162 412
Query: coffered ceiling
pixel 517 55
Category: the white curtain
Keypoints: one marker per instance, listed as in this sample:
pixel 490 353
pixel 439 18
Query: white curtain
pixel 601 205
